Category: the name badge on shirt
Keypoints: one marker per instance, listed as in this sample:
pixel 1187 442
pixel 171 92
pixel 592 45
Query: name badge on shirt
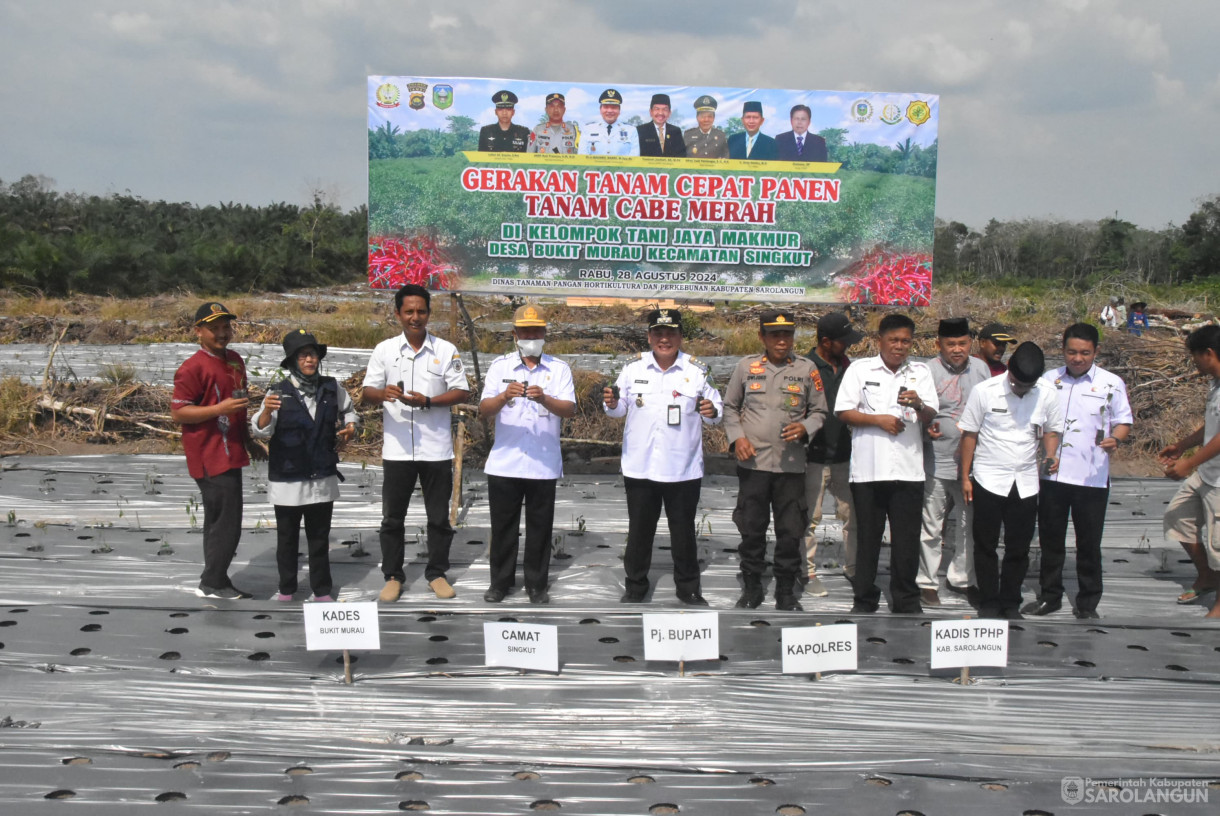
pixel 674 415
pixel 874 384
pixel 999 410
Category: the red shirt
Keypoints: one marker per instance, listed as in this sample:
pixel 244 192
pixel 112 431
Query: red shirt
pixel 217 445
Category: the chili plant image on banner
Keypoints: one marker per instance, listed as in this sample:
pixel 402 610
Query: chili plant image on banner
pixel 522 187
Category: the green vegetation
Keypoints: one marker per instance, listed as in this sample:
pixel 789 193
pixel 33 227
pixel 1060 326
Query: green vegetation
pixel 64 244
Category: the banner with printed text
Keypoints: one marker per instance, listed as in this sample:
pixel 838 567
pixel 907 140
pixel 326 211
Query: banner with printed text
pixel 694 193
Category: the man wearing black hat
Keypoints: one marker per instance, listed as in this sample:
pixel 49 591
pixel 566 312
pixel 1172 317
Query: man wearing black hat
pixel 799 144
pixel 772 405
pixel 955 374
pixel 706 141
pixel 667 399
pixel 504 136
pixel 658 137
pixel 752 144
pixel 605 136
pixel 887 400
pixel 827 461
pixel 555 135
pixel 993 340
pixel 1000 427
pixel 209 402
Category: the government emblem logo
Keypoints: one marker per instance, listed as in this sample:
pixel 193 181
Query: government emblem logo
pixel 918 112
pixel 1071 790
pixel 861 110
pixel 387 95
pixel 442 96
pixel 891 114
pixel 417 91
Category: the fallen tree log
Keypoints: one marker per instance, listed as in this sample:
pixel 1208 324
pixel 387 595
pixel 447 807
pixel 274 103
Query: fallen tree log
pixel 48 404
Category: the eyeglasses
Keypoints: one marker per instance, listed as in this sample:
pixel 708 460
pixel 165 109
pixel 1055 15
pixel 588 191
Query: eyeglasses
pixel 307 352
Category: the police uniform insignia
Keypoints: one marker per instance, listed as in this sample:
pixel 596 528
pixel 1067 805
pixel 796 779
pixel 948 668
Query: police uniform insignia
pixel 757 369
pixel 755 386
pixel 794 401
pixel 794 388
pixel 817 379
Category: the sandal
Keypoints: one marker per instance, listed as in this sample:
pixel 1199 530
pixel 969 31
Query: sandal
pixel 1191 595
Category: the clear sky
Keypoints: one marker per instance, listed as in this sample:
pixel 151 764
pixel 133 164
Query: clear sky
pixel 1071 109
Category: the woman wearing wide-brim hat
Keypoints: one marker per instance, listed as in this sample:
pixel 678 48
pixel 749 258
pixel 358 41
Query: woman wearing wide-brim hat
pixel 301 418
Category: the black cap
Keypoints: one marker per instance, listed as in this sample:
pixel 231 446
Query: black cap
pixel 665 318
pixel 837 326
pixel 1027 363
pixel 751 107
pixel 551 97
pixel 660 99
pixel 504 99
pixel 953 327
pixel 777 320
pixel 611 97
pixel 212 311
pixel 297 340
pixel 997 332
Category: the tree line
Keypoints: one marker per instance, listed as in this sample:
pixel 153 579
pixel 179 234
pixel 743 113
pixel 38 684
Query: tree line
pixel 68 243
pixel 1081 253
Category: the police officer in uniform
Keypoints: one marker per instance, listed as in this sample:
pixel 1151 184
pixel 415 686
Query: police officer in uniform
pixel 772 405
pixel 504 136
pixel 667 399
pixel 605 136
pixel 706 141
pixel 529 394
pixel 555 135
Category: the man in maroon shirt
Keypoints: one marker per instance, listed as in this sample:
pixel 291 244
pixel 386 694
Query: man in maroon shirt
pixel 209 402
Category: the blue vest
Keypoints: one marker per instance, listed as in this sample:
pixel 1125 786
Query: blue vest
pixel 303 447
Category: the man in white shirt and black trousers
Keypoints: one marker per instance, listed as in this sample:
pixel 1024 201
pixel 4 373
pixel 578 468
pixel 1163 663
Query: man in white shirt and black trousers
pixel 529 394
pixel 415 377
pixel 887 400
pixel 667 399
pixel 1001 426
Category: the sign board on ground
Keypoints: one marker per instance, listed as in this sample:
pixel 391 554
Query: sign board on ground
pixel 333 627
pixel 812 649
pixel 521 646
pixel 958 643
pixel 682 636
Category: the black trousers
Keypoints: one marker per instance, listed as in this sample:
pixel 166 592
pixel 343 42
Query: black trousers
pixel 505 495
pixel 901 503
pixel 1087 506
pixel 317 538
pixel 222 507
pixel 436 479
pixel 1000 585
pixel 644 500
pixel 761 493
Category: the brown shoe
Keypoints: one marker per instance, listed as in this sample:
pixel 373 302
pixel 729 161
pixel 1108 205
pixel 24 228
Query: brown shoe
pixel 442 588
pixel 391 591
pixel 929 597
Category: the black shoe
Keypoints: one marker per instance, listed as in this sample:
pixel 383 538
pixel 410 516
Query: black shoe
pixel 691 598
pixel 751 597
pixel 1087 614
pixel 493 595
pixel 539 596
pixel 1012 614
pixel 229 593
pixel 632 597
pixel 991 612
pixel 788 603
pixel 861 609
pixel 907 610
pixel 1040 608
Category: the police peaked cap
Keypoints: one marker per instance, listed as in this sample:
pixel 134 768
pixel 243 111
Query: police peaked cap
pixel 551 97
pixel 777 320
pixel 1027 363
pixel 297 340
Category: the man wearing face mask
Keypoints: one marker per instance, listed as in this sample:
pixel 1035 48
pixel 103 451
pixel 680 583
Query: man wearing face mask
pixel 528 393
pixel 667 399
